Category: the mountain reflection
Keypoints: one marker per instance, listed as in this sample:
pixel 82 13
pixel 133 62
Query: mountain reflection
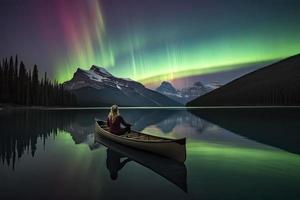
pixel 277 127
pixel 22 129
pixel 182 117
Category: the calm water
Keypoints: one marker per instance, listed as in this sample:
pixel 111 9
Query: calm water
pixel 231 154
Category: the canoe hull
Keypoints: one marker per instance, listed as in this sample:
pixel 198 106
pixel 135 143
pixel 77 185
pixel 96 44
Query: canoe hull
pixel 174 149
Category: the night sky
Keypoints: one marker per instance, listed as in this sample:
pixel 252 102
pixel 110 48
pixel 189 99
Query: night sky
pixel 149 40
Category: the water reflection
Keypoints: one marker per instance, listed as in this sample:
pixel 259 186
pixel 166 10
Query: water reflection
pixel 276 127
pixel 171 170
pixel 20 131
pixel 114 163
pixel 225 155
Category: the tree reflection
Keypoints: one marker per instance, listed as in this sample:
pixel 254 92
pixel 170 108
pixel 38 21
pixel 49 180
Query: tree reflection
pixel 20 131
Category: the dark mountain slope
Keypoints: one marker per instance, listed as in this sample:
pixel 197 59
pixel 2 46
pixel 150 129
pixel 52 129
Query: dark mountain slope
pixel 276 84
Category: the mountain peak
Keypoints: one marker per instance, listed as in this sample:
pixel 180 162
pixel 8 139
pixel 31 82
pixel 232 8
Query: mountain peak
pixel 166 83
pixel 166 87
pixel 79 70
pixel 199 84
pixel 100 70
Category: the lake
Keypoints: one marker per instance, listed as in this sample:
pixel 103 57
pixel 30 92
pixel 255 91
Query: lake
pixel 231 154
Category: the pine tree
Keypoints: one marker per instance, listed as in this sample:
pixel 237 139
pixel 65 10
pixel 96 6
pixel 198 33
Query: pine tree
pixel 28 88
pixel 22 84
pixel 16 80
pixel 1 80
pixel 46 89
pixel 5 81
pixel 10 80
pixel 35 86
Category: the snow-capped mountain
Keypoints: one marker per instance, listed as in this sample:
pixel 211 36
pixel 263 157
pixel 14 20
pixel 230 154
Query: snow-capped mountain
pixel 97 87
pixel 166 87
pixel 185 94
pixel 214 85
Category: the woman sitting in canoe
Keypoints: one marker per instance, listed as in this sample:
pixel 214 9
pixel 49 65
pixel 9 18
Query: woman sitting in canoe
pixel 114 121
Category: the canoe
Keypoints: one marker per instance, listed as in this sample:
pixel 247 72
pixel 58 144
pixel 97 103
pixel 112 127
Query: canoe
pixel 171 170
pixel 167 147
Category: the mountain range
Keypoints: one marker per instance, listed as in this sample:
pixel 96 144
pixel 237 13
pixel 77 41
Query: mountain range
pixel 98 87
pixel 187 94
pixel 275 84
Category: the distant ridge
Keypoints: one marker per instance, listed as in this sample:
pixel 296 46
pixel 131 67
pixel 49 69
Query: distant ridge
pixel 98 87
pixel 276 84
pixel 184 95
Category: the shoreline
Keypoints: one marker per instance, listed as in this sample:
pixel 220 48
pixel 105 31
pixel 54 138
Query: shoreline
pixel 2 108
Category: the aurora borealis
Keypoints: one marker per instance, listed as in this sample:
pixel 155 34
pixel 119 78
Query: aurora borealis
pixel 149 40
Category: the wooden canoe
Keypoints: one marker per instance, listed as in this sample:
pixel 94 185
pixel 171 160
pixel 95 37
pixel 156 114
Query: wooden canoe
pixel 171 148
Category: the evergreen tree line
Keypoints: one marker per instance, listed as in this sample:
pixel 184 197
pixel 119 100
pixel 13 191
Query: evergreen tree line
pixel 23 87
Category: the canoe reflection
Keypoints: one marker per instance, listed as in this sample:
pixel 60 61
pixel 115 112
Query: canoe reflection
pixel 171 170
pixel 114 164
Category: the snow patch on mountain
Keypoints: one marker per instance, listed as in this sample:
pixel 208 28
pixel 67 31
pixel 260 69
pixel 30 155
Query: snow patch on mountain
pixel 93 76
pixel 100 70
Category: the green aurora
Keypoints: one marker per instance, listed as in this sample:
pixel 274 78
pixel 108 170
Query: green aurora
pixel 194 59
pixel 166 54
pixel 150 40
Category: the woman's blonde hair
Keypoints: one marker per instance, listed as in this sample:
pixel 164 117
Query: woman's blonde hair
pixel 114 112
